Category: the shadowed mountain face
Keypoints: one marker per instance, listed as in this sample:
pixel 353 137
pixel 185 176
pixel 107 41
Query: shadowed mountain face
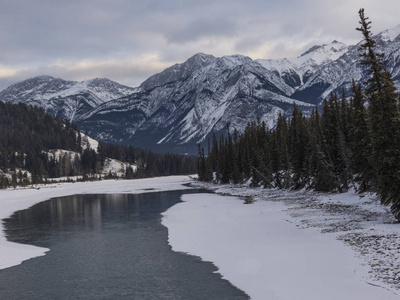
pixel 188 102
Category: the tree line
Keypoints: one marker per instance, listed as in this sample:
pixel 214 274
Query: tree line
pixel 353 141
pixel 29 136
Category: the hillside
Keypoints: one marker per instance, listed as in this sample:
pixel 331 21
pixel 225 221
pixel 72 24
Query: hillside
pixel 36 147
pixel 189 102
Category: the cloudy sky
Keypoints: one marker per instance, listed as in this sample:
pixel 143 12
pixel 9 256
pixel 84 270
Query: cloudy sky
pixel 129 40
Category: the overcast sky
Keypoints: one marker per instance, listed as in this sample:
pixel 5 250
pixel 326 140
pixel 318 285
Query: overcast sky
pixel 129 40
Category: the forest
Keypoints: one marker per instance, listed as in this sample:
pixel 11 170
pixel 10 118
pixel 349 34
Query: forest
pixel 28 135
pixel 353 141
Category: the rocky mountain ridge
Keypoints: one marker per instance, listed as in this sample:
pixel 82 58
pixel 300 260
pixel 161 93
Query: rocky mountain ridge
pixel 188 102
pixel 66 99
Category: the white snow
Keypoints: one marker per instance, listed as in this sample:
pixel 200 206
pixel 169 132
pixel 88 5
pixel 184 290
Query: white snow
pixel 323 54
pixel 57 154
pixel 262 249
pixel 391 34
pixel 116 167
pixel 272 249
pixel 12 254
pixel 88 143
pixel 308 62
pixel 103 94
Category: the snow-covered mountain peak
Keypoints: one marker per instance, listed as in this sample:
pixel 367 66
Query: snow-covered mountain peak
pixel 390 35
pixel 227 62
pixel 237 58
pixel 43 78
pixel 178 71
pixel 187 102
pixel 295 72
pixel 98 82
pixel 322 54
pixel 63 98
pixel 278 65
pixel 36 86
pixel 200 60
pixel 106 89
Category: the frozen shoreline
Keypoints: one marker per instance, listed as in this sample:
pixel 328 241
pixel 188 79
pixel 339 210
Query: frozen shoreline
pixel 12 254
pixel 294 245
pixel 276 249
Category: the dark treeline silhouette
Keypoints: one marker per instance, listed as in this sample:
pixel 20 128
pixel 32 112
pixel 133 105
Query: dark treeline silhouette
pixel 347 143
pixel 29 136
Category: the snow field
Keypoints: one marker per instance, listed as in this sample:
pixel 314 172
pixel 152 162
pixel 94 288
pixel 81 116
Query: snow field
pixel 259 249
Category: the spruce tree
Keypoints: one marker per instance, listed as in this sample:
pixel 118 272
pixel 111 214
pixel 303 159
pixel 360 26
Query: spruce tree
pixel 280 154
pixel 360 137
pixel 267 171
pixel 201 164
pixel 321 167
pixel 385 120
pixel 299 149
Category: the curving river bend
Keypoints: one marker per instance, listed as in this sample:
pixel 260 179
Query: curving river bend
pixel 106 247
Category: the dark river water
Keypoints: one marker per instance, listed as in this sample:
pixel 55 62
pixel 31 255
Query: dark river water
pixel 106 247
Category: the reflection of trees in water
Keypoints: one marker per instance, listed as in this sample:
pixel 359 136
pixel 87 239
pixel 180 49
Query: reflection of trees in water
pixel 88 212
pixel 107 246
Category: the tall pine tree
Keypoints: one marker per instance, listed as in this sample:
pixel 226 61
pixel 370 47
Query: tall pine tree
pixel 384 120
pixel 360 142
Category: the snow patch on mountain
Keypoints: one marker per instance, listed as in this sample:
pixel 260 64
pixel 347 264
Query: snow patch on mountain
pixel 298 70
pixel 66 99
pixel 178 71
pixel 391 34
pixel 188 102
pixel 116 168
pixel 88 143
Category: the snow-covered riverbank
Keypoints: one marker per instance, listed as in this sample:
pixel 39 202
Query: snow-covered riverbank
pixel 285 245
pixel 290 245
pixel 12 254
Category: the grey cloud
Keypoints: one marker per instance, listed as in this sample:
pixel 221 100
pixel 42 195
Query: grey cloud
pixel 200 28
pixel 36 34
pixel 249 43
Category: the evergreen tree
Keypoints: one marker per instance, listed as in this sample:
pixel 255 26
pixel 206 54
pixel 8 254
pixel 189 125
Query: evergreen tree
pixel 214 156
pixel 385 120
pixel 281 154
pixel 201 164
pixel 299 149
pixel 347 142
pixel 360 137
pixel 321 167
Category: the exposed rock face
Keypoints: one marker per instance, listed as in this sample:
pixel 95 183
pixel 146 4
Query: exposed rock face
pixel 188 102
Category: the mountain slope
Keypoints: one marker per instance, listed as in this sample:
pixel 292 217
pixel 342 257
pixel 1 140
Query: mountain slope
pixel 65 99
pixel 330 68
pixel 296 72
pixel 199 99
pixel 188 102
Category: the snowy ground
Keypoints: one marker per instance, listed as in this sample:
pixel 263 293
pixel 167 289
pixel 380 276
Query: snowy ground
pixel 12 254
pixel 292 245
pixel 285 245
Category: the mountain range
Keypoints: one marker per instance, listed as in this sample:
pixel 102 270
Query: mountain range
pixel 62 98
pixel 188 102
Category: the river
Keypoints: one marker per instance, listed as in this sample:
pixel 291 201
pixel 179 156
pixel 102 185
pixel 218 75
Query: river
pixel 106 247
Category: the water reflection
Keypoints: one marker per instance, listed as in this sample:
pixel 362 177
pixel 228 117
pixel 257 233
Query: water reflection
pixel 86 213
pixel 106 247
